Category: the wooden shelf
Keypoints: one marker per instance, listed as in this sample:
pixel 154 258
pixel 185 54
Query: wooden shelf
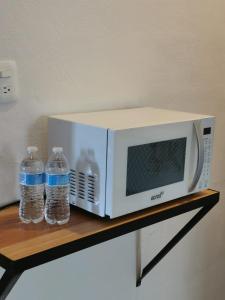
pixel 25 246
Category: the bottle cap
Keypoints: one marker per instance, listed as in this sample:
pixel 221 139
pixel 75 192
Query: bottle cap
pixel 31 149
pixel 57 149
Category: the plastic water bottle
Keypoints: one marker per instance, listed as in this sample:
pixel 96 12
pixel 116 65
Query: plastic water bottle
pixel 57 208
pixel 32 180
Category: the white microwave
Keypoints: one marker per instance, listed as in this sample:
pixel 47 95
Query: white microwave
pixel 130 159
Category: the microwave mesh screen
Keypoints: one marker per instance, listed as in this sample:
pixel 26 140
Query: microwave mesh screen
pixel 155 165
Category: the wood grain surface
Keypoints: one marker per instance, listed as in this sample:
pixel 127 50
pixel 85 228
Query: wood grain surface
pixel 18 240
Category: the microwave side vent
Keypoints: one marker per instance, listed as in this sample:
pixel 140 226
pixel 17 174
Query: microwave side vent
pixel 81 186
pixel 91 188
pixel 84 188
pixel 73 182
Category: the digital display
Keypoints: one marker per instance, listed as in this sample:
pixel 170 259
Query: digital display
pixel 155 165
pixel 206 130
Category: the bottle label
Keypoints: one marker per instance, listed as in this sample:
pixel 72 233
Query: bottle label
pixel 32 179
pixel 53 179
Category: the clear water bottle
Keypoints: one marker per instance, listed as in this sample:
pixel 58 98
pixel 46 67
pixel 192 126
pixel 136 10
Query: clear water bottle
pixel 57 208
pixel 32 180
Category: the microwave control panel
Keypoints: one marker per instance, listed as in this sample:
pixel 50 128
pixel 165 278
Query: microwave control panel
pixel 207 140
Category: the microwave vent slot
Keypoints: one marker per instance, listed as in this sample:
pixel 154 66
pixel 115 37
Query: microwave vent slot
pixel 81 186
pixel 91 188
pixel 73 182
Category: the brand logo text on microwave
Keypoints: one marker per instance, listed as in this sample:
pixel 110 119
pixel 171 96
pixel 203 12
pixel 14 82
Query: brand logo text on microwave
pixel 157 196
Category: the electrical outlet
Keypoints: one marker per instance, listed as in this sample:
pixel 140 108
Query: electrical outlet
pixel 8 81
pixel 6 90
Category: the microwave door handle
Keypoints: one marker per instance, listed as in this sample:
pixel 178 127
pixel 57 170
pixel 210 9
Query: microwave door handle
pixel 200 157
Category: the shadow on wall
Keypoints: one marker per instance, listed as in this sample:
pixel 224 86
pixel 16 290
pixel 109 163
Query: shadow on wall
pixel 9 167
pixel 37 136
pixel 10 159
pixel 8 174
pixel 7 106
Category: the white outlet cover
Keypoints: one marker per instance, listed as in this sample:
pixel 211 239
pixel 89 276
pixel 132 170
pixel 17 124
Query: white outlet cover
pixel 8 81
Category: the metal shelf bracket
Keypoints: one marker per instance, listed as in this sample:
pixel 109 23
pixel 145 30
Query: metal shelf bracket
pixel 8 280
pixel 172 243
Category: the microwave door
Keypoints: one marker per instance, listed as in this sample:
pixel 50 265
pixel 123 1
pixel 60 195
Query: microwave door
pixel 147 166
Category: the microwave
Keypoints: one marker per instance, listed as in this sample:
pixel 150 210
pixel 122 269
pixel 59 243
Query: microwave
pixel 126 160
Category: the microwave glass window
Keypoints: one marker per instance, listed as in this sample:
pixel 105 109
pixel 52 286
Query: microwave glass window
pixel 153 165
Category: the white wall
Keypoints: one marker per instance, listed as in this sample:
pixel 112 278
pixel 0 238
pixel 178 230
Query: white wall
pixel 89 55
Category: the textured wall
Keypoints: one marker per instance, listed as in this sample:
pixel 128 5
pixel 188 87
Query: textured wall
pixel 89 55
